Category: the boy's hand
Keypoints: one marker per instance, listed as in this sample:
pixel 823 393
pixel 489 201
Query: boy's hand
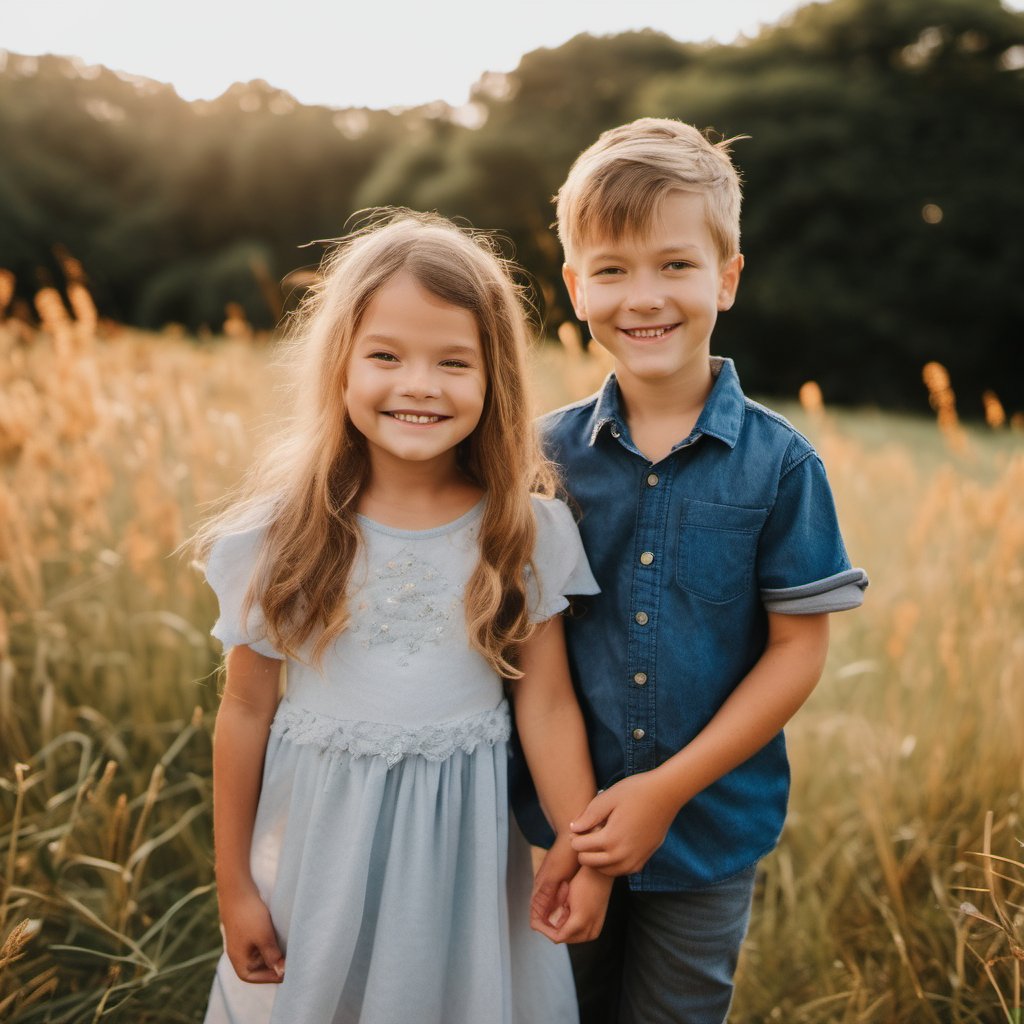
pixel 250 941
pixel 624 825
pixel 580 908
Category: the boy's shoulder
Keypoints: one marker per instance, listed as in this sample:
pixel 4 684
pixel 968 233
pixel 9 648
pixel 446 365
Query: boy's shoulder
pixel 571 427
pixel 569 415
pixel 766 428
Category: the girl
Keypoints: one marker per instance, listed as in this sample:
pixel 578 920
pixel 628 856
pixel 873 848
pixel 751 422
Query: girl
pixel 391 556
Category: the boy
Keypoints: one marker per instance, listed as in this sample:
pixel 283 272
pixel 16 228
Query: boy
pixel 710 527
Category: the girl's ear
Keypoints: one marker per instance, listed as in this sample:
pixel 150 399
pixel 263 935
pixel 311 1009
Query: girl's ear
pixel 576 295
pixel 729 281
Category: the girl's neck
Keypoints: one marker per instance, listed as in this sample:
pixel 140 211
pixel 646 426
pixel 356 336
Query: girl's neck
pixel 417 498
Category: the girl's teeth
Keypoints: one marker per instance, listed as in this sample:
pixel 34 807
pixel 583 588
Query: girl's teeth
pixel 408 418
pixel 647 332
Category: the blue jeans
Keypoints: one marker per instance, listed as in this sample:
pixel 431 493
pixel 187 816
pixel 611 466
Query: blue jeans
pixel 664 957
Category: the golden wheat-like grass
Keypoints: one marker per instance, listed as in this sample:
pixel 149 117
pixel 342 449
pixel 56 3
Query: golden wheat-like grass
pixel 895 895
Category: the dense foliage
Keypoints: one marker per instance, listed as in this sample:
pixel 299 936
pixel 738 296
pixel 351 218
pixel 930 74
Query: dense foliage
pixel 882 174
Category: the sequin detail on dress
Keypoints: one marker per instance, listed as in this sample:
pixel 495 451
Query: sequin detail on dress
pixel 409 604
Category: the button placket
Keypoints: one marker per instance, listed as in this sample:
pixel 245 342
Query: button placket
pixel 645 593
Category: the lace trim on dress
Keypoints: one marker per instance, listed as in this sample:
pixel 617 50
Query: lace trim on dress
pixel 392 742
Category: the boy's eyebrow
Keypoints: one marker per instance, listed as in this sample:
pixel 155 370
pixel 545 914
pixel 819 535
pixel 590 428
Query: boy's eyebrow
pixel 611 254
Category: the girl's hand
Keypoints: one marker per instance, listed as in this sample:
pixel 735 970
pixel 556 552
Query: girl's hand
pixel 250 940
pixel 549 904
pixel 586 900
pixel 624 825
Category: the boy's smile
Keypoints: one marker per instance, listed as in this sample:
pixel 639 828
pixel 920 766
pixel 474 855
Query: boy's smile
pixel 652 300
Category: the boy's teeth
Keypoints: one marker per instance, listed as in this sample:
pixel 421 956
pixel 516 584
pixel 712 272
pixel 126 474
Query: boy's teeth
pixel 406 417
pixel 646 332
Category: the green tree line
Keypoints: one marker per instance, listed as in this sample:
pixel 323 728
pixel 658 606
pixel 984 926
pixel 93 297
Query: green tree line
pixel 883 171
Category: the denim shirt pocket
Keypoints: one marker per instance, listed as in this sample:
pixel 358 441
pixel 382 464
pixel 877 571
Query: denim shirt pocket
pixel 717 549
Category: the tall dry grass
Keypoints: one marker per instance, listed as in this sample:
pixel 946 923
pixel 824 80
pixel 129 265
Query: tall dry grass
pixel 107 676
pixel 894 897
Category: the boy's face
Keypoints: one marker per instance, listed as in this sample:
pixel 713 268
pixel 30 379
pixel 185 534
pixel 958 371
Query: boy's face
pixel 652 301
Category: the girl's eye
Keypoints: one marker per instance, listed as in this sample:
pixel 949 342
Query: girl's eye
pixel 457 364
pixel 384 357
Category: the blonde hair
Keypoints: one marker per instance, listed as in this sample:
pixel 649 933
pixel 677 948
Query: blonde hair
pixel 614 187
pixel 306 490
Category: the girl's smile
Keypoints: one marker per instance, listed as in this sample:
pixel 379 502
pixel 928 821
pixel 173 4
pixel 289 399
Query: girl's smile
pixel 416 418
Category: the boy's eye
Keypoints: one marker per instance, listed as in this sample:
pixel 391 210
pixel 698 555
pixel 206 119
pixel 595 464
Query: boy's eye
pixel 678 265
pixel 608 271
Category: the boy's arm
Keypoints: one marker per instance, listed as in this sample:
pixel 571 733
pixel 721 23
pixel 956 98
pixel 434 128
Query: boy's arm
pixel 626 823
pixel 247 708
pixel 554 742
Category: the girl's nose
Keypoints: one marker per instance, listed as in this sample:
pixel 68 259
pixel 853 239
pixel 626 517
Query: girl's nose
pixel 419 384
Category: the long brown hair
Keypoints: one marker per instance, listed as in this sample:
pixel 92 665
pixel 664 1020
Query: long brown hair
pixel 305 490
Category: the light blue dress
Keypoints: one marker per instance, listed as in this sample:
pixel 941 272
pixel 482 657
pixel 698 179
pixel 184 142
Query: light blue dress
pixel 382 843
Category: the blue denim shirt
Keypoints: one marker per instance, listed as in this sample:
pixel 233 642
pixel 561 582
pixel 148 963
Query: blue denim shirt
pixel 690 553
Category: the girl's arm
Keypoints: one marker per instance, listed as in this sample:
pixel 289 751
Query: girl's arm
pixel 240 742
pixel 569 902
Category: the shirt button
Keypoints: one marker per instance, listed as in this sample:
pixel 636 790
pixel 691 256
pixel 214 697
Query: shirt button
pixel 640 678
pixel 641 617
pixel 652 479
pixel 614 431
pixel 647 557
pixel 638 734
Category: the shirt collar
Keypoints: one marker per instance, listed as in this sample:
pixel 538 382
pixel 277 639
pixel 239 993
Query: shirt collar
pixel 721 417
pixel 607 408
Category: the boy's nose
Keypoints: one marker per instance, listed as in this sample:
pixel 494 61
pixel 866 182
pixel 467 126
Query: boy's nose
pixel 645 297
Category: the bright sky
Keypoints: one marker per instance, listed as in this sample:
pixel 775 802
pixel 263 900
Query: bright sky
pixel 348 52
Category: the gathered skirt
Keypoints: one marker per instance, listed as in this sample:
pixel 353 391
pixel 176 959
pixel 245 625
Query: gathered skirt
pixel 397 885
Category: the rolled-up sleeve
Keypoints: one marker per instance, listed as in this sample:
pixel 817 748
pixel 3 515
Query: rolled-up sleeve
pixel 803 568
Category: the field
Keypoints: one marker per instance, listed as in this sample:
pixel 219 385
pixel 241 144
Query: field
pixel 896 894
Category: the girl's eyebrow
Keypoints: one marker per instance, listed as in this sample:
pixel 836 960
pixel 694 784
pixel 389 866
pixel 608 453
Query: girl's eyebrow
pixel 378 339
pixel 455 348
pixel 462 350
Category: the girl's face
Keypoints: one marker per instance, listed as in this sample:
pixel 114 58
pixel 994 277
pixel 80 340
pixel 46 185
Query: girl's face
pixel 416 376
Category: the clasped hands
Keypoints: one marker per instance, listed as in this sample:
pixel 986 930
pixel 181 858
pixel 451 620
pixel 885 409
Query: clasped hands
pixel 615 835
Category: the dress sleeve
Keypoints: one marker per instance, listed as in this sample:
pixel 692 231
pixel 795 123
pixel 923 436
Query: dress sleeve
pixel 228 571
pixel 803 568
pixel 560 565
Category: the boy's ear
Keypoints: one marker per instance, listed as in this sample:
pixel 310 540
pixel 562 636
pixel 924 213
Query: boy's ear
pixel 729 281
pixel 572 283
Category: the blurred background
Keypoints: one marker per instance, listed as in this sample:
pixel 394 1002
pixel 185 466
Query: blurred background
pixel 883 212
pixel 151 240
